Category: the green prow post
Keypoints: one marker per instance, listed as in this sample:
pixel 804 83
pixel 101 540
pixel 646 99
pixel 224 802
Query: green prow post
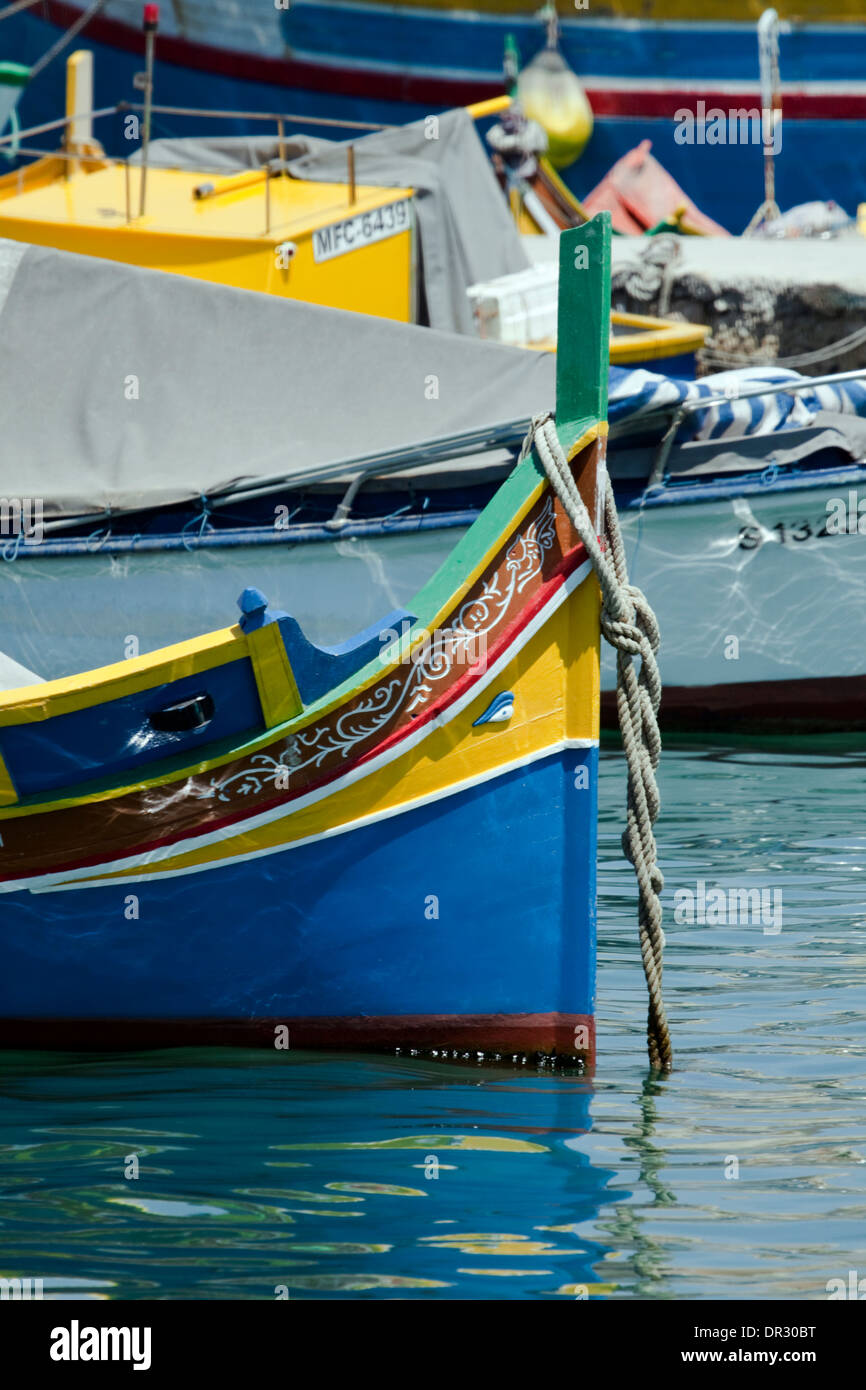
pixel 581 400
pixel 583 328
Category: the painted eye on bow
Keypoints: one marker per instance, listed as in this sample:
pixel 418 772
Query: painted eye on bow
pixel 499 711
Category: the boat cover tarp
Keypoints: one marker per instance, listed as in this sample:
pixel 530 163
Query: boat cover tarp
pixel 13 675
pixel 465 229
pixel 130 388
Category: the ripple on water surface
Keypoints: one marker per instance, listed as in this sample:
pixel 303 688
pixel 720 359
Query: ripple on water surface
pixel 743 1175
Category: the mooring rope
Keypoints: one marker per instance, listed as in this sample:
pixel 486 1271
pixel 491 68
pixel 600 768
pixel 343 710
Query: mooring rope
pixel 630 626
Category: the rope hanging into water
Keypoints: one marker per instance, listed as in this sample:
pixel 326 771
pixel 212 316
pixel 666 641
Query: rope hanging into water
pixel 630 626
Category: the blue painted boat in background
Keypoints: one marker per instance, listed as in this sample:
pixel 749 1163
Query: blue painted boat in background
pixel 391 63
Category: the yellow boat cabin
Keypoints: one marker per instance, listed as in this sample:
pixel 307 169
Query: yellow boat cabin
pixel 347 246
pixel 257 231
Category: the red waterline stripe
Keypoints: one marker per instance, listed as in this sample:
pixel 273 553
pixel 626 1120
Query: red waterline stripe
pixel 804 705
pixel 490 1033
pixel 571 562
pixel 283 72
pixel 424 89
pixel 663 105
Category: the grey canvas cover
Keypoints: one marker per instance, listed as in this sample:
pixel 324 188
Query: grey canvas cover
pixel 465 230
pixel 13 675
pixel 125 388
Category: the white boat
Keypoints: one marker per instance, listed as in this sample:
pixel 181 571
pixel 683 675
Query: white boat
pixel 761 603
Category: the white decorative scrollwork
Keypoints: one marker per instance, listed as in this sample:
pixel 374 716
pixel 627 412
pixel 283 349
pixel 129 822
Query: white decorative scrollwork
pixel 430 661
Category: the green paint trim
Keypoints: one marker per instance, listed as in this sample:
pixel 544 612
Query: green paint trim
pixel 14 75
pixel 583 331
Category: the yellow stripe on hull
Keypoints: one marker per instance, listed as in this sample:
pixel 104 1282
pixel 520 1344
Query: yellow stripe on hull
pixel 275 681
pixel 555 682
pixel 32 703
pixel 8 794
pixel 652 339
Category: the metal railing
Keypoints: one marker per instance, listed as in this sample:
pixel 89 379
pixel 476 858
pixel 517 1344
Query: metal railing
pixel 269 169
pixel 279 119
pixel 276 118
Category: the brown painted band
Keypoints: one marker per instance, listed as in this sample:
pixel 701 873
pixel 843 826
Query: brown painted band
pixel 818 704
pixel 565 1035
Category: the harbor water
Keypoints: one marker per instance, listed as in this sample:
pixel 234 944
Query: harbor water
pixel 291 1175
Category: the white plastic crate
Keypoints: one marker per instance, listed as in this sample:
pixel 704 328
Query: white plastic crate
pixel 518 308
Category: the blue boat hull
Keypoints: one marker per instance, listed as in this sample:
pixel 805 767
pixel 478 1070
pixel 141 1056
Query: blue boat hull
pixel 369 54
pixel 427 927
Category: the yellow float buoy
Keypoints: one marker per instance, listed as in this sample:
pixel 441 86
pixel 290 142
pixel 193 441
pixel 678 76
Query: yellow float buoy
pixel 551 94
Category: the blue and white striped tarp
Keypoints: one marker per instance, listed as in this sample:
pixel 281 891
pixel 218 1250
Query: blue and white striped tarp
pixel 635 393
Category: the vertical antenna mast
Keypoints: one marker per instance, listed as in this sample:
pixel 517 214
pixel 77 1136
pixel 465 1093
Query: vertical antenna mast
pixel 151 24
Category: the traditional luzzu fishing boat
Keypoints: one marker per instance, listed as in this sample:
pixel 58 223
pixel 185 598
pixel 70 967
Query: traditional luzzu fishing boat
pixel 640 61
pixel 245 833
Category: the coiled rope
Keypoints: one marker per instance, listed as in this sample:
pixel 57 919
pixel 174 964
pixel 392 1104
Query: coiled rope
pixel 630 626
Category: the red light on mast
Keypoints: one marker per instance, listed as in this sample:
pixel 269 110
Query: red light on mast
pixel 151 16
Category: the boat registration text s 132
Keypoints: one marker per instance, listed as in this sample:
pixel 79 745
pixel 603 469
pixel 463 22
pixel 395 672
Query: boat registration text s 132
pixel 362 230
